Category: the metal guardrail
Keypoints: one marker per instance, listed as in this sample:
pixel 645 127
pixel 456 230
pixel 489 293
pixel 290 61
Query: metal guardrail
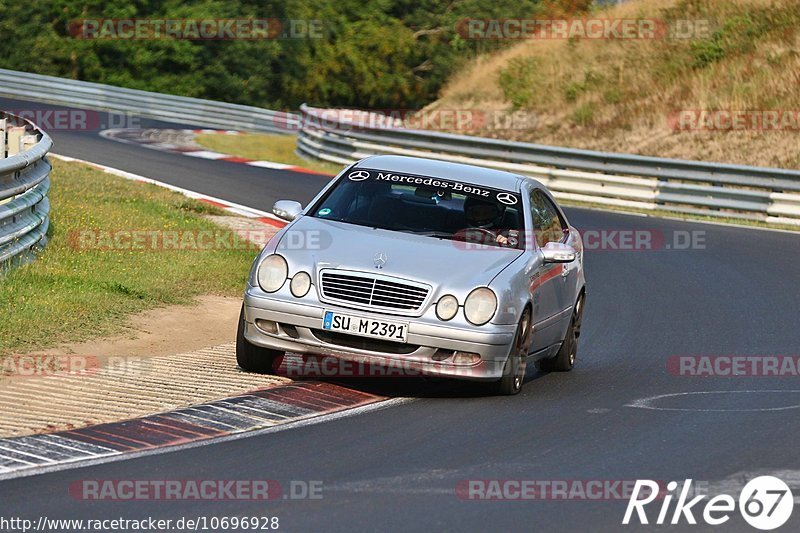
pixel 610 179
pixel 24 183
pixel 181 109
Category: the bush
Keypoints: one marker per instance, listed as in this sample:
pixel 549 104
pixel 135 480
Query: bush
pixel 372 53
pixel 583 114
pixel 518 81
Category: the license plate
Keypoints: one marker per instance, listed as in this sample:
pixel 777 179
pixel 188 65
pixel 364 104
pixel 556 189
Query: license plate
pixel 365 327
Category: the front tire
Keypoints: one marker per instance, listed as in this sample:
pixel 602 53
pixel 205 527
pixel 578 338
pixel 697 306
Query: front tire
pixel 564 361
pixel 514 368
pixel 252 358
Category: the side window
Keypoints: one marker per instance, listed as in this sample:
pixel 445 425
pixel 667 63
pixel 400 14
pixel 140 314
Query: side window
pixel 547 224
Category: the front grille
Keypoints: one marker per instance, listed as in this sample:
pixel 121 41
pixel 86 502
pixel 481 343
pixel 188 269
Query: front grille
pixel 373 291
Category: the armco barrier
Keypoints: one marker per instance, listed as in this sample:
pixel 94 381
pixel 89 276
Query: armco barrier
pixel 610 179
pixel 182 109
pixel 24 182
pixel 607 179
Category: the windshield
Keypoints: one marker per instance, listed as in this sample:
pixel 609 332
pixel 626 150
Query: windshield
pixel 427 206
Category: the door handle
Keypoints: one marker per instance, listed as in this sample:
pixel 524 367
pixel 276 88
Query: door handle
pixel 564 271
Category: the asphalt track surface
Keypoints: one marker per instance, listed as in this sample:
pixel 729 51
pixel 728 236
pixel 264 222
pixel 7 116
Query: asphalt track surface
pixel 397 468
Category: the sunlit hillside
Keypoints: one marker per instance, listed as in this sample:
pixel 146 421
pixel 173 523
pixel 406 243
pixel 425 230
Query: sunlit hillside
pixel 688 93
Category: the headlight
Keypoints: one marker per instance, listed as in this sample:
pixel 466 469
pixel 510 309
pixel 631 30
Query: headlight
pixel 272 273
pixel 447 307
pixel 300 284
pixel 480 306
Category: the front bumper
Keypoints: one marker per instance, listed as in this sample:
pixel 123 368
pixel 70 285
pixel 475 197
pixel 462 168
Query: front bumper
pixel 426 338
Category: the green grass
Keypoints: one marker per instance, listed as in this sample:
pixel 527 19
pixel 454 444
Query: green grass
pixel 519 81
pixel 264 147
pixel 71 293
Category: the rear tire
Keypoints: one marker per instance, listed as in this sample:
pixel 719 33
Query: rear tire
pixel 564 360
pixel 252 358
pixel 514 368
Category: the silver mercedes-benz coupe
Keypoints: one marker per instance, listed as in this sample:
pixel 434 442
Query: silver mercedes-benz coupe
pixel 439 268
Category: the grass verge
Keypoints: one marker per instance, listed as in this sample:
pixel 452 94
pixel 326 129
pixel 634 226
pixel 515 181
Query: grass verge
pixel 85 283
pixel 263 147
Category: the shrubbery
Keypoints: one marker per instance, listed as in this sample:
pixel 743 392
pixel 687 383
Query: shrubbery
pixel 374 53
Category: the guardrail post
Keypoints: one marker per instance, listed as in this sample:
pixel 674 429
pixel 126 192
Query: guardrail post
pixel 15 135
pixel 2 138
pixel 27 142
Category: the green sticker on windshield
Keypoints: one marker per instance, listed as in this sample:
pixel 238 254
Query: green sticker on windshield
pixel 324 212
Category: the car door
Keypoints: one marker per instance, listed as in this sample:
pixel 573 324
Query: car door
pixel 548 284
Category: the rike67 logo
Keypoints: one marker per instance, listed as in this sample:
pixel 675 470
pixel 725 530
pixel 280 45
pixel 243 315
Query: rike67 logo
pixel 765 503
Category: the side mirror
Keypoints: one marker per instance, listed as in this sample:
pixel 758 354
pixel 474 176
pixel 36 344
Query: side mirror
pixel 555 252
pixel 287 209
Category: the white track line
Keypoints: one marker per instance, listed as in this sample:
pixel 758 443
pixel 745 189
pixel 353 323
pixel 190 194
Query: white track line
pixel 647 403
pixel 310 421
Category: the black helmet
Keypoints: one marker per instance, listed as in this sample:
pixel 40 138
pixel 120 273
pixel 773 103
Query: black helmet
pixel 483 213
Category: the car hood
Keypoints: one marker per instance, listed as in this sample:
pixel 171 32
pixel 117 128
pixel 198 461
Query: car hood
pixel 315 243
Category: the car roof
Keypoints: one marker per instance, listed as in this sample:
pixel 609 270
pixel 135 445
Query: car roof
pixel 475 175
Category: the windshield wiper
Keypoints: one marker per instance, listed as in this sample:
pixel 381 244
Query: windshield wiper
pixel 412 231
pixel 389 228
pixel 433 233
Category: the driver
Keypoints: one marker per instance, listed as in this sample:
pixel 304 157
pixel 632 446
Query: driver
pixel 485 215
